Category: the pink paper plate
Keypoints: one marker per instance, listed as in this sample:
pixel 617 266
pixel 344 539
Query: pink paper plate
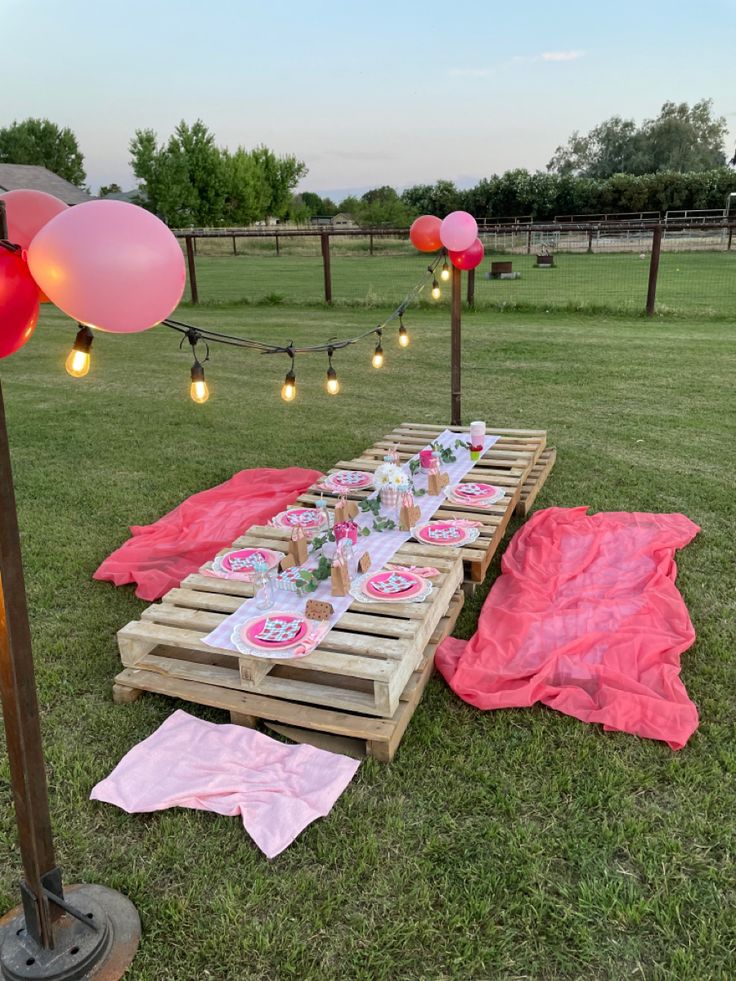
pixel 442 533
pixel 274 631
pixel 393 586
pixel 348 480
pixel 474 493
pixel 245 560
pixel 309 519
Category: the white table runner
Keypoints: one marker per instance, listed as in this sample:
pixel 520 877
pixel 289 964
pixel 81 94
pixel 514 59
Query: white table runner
pixel 381 546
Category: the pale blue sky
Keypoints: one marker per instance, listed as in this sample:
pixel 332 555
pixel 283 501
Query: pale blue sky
pixel 365 93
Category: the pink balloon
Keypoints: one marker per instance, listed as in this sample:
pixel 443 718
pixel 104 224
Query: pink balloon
pixel 470 258
pixel 110 265
pixel 458 231
pixel 27 212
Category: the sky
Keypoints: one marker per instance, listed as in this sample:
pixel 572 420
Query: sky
pixel 365 94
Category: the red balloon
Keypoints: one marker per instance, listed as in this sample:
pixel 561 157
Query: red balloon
pixel 470 258
pixel 27 212
pixel 18 302
pixel 425 233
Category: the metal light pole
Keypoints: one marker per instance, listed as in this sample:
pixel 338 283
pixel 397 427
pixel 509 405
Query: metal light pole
pixel 91 931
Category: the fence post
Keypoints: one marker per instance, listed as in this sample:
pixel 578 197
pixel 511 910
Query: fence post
pixel 590 240
pixel 471 288
pixel 278 248
pixel 528 241
pixel 371 241
pixel 654 269
pixel 192 270
pixel 455 348
pixel 326 266
pixel 235 248
pixel 730 236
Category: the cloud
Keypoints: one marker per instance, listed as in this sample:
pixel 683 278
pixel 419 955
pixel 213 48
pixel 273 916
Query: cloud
pixel 551 56
pixel 469 72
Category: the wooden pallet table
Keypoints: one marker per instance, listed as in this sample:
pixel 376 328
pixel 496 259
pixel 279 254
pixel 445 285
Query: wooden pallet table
pixel 361 671
pixel 508 464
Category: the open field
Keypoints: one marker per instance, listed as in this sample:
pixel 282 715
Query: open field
pixel 690 284
pixel 516 844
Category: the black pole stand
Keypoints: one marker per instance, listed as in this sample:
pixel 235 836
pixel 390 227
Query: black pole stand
pixel 455 348
pixel 86 931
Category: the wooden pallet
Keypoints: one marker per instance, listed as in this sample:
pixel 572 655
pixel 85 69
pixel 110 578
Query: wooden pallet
pixel 351 733
pixel 535 481
pixel 507 464
pixel 363 664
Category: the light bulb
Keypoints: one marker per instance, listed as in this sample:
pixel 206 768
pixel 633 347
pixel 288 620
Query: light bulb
pixel 78 359
pixel 445 273
pixel 77 363
pixel 333 385
pixel 403 336
pixel 378 356
pixel 436 292
pixel 198 390
pixel 288 389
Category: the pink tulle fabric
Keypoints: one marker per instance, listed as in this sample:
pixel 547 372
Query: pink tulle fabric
pixel 276 789
pixel 160 555
pixel 585 618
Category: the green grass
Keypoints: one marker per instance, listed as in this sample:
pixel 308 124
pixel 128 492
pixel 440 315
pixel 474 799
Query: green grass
pixel 690 284
pixel 514 844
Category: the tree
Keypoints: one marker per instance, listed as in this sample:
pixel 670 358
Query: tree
pixel 681 139
pixel 382 206
pixel 189 180
pixel 110 189
pixel 432 199
pixel 43 143
pixel 281 174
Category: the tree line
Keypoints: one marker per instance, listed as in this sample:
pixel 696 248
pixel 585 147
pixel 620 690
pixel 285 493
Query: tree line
pixel 674 161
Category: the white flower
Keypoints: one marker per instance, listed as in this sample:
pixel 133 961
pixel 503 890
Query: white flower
pixel 388 474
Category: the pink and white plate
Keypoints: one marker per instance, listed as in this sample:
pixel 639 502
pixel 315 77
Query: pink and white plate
pixel 310 520
pixel 391 586
pixel 242 563
pixel 275 634
pixel 454 533
pixel 344 481
pixel 475 494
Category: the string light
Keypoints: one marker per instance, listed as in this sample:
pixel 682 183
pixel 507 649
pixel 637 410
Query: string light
pixel 377 361
pixel 445 272
pixel 78 359
pixel 403 336
pixel 436 291
pixel 288 389
pixel 198 390
pixel 332 384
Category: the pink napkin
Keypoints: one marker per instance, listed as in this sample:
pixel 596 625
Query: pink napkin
pixel 277 789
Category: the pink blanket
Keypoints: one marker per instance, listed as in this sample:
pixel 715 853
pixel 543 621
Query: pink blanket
pixel 585 618
pixel 160 555
pixel 276 789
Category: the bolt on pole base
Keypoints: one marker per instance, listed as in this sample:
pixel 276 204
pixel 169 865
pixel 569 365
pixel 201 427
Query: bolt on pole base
pixel 101 948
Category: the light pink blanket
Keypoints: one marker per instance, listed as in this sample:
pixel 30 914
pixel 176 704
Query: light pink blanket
pixel 277 789
pixel 585 618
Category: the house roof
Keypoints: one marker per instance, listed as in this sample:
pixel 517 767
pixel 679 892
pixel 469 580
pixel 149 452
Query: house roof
pixel 14 177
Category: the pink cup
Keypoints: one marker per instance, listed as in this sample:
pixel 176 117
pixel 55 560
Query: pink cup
pixel 346 529
pixel 425 458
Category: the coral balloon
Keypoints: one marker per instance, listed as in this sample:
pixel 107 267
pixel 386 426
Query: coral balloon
pixel 110 265
pixel 18 302
pixel 27 212
pixel 425 233
pixel 458 232
pixel 469 258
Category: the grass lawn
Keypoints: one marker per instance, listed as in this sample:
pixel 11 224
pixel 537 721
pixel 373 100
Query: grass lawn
pixel 514 844
pixel 690 284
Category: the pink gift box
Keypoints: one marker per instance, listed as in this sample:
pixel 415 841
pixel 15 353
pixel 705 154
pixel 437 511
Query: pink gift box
pixel 346 529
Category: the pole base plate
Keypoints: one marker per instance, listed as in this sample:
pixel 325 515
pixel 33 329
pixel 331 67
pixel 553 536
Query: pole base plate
pixel 103 954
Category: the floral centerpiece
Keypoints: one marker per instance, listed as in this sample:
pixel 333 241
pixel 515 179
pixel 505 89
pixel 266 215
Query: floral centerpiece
pixel 390 480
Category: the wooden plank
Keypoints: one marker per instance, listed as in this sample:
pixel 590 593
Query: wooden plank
pixel 535 481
